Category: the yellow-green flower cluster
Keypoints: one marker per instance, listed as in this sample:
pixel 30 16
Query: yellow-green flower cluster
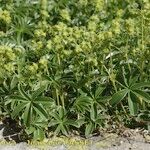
pixel 5 16
pixel 43 62
pixel 2 34
pixel 130 26
pixel 99 4
pixel 8 58
pixel 116 26
pixel 65 14
pixel 77 35
pixel 33 68
pixel 39 33
pixel 43 11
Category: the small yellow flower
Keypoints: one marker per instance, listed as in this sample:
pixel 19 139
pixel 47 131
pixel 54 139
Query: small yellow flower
pixel 83 2
pixel 33 68
pixel 67 52
pixel 43 61
pixel 9 67
pixel 116 26
pixel 120 13
pixel 49 44
pixel 2 34
pixel 108 34
pixel 78 49
pixel 44 13
pixel 44 4
pixel 99 4
pixel 39 44
pixel 130 27
pixel 92 26
pixel 39 33
pixel 5 16
pixel 65 14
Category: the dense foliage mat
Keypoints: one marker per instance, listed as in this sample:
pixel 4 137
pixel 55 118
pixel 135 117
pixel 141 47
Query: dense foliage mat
pixel 74 66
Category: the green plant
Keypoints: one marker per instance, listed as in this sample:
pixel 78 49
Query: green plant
pixel 29 107
pixel 62 122
pixel 134 93
pixel 62 63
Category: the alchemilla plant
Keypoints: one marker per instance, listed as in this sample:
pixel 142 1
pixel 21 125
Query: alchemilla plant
pixel 74 65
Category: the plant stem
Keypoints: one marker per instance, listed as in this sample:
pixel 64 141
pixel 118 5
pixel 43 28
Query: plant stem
pixel 57 97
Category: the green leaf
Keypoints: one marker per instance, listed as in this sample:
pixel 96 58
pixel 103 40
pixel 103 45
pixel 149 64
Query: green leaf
pixel 40 110
pixel 93 112
pixel 14 82
pixel 80 122
pixel 61 112
pixel 23 93
pixel 145 96
pixel 38 92
pixel 89 129
pixel 64 129
pixel 5 86
pixel 43 124
pixel 133 105
pixel 133 80
pixel 53 123
pixel 103 99
pixel 117 97
pixel 58 129
pixel 18 98
pixel 82 103
pixel 55 115
pixel 72 123
pixel 28 114
pixel 30 130
pixel 44 100
pixel 39 134
pixel 18 109
pixel 99 91
pixel 140 85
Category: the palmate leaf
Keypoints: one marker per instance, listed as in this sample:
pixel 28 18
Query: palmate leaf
pixel 82 103
pixel 117 97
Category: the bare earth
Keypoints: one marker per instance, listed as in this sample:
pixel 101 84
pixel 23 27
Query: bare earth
pixel 130 140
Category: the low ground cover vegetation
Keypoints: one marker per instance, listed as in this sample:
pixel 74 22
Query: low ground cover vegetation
pixel 74 66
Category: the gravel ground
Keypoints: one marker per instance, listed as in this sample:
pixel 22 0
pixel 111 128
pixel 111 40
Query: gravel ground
pixel 130 140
